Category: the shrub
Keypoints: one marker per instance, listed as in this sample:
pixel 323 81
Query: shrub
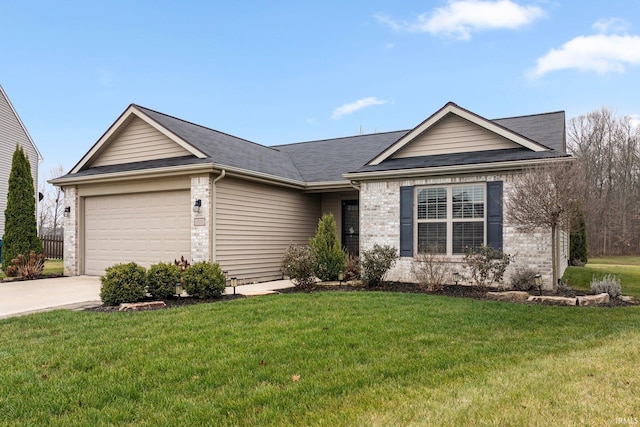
pixel 123 283
pixel 578 240
pixel 609 284
pixel 204 280
pixel 161 280
pixel 329 256
pixel 20 231
pixel 298 263
pixel 431 271
pixel 376 262
pixel 523 279
pixel 487 265
pixel 27 267
pixel 352 268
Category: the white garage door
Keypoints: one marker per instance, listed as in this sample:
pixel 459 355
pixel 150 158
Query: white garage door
pixel 146 228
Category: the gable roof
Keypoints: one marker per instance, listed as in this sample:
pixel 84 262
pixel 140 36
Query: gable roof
pixel 14 113
pixel 329 161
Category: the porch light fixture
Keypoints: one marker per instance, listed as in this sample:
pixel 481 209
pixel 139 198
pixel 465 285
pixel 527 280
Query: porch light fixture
pixel 456 277
pixel 234 283
pixel 67 211
pixel 538 281
pixel 197 205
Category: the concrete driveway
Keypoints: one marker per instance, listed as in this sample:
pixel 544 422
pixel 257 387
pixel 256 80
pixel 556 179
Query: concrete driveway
pixel 32 296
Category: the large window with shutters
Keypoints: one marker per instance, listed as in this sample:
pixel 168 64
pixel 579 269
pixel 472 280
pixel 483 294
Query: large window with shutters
pixel 450 219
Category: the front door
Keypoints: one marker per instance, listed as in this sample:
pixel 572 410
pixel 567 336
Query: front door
pixel 351 226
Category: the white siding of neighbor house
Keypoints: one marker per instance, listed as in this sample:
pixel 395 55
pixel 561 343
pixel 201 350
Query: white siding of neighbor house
pixel 137 142
pixel 12 133
pixel 256 223
pixel 453 134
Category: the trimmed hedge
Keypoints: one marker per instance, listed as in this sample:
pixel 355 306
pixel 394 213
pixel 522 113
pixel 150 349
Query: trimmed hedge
pixel 123 283
pixel 161 280
pixel 204 280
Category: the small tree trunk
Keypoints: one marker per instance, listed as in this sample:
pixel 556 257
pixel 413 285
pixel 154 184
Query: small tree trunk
pixel 554 258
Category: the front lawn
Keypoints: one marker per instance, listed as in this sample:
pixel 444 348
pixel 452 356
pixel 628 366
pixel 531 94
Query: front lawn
pixel 330 358
pixel 626 268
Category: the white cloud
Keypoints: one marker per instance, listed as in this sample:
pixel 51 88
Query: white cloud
pixel 462 17
pixel 600 53
pixel 635 120
pixel 355 106
pixel 611 25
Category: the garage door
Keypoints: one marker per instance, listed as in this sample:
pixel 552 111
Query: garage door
pixel 146 228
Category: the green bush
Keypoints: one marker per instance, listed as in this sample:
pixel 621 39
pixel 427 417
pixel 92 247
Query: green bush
pixel 20 231
pixel 161 280
pixel 204 280
pixel 298 263
pixel 123 283
pixel 487 265
pixel 325 247
pixel 376 262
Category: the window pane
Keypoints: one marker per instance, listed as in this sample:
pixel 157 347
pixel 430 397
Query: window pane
pixel 468 201
pixel 432 237
pixel 467 236
pixel 432 203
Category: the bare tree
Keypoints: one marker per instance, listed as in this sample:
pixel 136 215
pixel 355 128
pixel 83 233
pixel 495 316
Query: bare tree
pixel 546 196
pixel 51 207
pixel 608 151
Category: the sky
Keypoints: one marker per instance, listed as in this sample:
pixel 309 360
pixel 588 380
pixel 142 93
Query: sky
pixel 278 72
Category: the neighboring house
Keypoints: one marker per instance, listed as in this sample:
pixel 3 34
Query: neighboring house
pixel 154 188
pixel 13 133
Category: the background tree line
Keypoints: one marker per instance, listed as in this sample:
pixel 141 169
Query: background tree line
pixel 608 151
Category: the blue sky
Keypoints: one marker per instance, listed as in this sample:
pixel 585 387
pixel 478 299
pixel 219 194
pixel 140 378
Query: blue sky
pixel 288 71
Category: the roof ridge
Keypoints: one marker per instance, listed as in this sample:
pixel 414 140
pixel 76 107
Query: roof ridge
pixel 340 137
pixel 529 115
pixel 203 127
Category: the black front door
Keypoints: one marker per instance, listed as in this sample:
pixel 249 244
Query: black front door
pixel 351 226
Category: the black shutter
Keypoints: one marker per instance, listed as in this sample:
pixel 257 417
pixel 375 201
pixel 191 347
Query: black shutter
pixel 494 214
pixel 406 221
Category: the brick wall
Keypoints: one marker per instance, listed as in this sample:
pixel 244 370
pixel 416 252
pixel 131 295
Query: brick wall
pixel 71 230
pixel 380 223
pixel 201 230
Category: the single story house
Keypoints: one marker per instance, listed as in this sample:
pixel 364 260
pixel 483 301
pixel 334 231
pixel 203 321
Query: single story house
pixel 13 133
pixel 154 188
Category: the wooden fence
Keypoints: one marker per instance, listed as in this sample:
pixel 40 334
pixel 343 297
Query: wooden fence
pixel 53 246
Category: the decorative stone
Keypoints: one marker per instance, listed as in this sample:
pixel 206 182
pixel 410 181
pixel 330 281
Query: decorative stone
pixel 591 300
pixel 152 305
pixel 508 296
pixel 552 300
pixel 625 298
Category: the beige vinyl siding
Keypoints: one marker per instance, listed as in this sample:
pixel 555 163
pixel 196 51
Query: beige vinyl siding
pixel 255 223
pixel 332 203
pixel 12 133
pixel 137 142
pixel 453 134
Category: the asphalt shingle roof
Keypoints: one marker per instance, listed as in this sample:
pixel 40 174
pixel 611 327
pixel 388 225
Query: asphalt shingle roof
pixel 327 160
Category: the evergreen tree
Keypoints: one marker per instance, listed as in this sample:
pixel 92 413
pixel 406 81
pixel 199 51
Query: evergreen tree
pixel 20 231
pixel 329 256
pixel 578 240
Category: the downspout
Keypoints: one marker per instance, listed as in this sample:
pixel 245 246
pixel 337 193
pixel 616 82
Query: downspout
pixel 213 227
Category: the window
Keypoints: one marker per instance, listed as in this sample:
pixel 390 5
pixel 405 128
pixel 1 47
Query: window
pixel 450 219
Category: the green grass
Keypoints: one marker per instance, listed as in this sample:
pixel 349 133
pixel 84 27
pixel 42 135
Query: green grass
pixel 51 266
pixel 362 359
pixel 626 268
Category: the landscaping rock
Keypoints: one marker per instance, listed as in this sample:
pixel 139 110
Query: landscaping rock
pixel 626 298
pixel 591 300
pixel 508 296
pixel 552 300
pixel 152 305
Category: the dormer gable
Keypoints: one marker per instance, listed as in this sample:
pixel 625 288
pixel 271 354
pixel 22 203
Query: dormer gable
pixel 135 137
pixel 453 129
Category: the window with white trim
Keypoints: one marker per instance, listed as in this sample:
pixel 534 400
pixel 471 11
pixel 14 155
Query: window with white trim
pixel 450 219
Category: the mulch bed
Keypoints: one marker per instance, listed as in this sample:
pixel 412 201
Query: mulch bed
pixel 458 291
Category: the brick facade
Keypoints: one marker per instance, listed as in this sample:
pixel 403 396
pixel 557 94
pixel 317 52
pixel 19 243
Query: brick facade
pixel 201 229
pixel 71 230
pixel 380 223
